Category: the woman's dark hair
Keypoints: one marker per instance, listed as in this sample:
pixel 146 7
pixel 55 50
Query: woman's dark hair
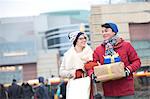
pixel 75 41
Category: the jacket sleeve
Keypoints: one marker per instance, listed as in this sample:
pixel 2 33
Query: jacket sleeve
pixel 134 60
pixel 95 56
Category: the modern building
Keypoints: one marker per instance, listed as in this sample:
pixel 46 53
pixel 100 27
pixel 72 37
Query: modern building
pixel 63 23
pixel 22 61
pixel 48 63
pixel 61 18
pixel 57 38
pixel 21 50
pixel 17 60
pixel 31 46
pixel 133 20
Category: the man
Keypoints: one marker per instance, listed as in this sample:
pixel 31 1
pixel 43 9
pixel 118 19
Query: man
pixel 122 88
pixel 42 90
pixel 15 91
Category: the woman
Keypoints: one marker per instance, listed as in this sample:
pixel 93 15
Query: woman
pixel 75 58
pixel 72 65
pixel 112 44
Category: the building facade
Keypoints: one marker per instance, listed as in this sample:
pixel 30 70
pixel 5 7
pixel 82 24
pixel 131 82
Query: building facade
pixel 17 61
pixel 21 50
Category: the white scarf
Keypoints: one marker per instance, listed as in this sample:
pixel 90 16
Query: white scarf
pixel 73 60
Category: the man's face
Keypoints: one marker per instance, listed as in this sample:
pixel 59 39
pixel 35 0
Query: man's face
pixel 107 33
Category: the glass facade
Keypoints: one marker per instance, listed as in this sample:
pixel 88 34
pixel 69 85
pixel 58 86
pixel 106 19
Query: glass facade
pixel 10 72
pixel 143 48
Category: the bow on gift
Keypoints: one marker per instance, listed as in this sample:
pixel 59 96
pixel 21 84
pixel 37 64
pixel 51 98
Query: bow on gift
pixel 112 59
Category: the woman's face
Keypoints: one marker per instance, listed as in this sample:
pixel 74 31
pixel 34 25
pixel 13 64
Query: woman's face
pixel 82 40
pixel 107 33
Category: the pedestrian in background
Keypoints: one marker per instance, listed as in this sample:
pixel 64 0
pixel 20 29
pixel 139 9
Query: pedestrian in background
pixel 47 84
pixel 15 90
pixel 27 91
pixel 122 88
pixel 42 91
pixel 3 92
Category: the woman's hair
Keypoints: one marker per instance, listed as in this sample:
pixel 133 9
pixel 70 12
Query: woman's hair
pixel 75 41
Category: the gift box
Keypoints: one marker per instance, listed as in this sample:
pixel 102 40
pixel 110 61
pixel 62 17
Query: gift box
pixel 108 72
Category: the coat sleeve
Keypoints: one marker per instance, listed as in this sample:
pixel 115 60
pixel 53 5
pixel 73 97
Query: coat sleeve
pixel 95 56
pixel 134 60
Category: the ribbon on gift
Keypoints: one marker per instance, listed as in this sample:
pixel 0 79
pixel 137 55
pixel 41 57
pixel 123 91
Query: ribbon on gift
pixel 109 71
pixel 112 59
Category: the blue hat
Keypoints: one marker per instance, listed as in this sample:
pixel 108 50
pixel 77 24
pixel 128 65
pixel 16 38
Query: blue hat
pixel 113 26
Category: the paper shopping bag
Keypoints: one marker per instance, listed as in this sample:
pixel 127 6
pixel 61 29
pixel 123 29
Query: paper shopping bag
pixel 78 88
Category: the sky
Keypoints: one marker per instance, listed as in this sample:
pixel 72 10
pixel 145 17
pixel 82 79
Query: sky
pixel 15 8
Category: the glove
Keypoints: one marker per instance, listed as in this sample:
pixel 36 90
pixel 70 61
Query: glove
pixel 127 72
pixel 90 65
pixel 79 73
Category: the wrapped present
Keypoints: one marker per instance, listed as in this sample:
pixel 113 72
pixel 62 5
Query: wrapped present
pixel 108 72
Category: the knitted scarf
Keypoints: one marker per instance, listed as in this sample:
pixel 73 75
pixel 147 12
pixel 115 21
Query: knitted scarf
pixel 109 45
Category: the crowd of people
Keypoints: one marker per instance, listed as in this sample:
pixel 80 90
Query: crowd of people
pixel 42 90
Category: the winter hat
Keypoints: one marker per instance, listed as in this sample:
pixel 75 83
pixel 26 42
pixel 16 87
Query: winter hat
pixel 113 26
pixel 74 35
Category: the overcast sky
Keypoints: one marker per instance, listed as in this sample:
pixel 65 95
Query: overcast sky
pixel 13 8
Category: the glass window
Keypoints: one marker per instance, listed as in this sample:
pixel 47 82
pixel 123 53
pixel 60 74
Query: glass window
pixel 142 47
pixel 53 41
pixel 64 39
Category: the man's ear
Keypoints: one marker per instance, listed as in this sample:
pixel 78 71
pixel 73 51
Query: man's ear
pixel 114 33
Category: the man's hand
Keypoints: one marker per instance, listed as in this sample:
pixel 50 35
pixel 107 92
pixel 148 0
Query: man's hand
pixel 127 72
